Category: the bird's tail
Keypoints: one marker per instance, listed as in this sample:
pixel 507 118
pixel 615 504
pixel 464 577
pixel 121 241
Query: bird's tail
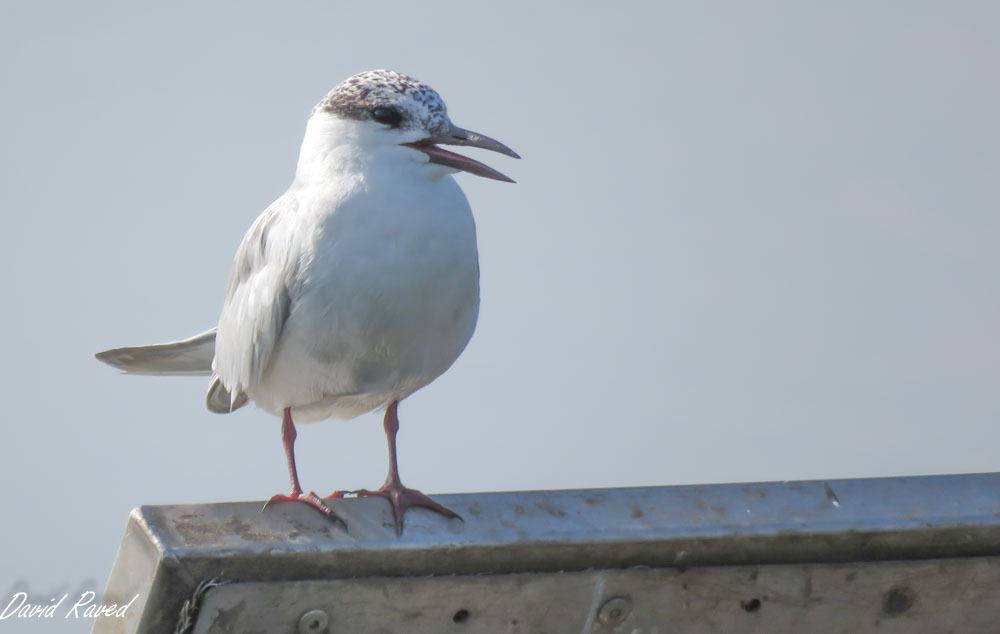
pixel 188 357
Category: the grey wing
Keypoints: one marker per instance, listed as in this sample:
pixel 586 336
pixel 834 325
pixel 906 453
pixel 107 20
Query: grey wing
pixel 188 357
pixel 255 309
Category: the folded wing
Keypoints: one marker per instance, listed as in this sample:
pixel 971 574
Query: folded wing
pixel 255 308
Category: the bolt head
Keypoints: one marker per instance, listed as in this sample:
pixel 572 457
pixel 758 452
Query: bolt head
pixel 615 610
pixel 313 622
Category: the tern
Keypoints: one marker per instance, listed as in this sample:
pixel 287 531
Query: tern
pixel 355 288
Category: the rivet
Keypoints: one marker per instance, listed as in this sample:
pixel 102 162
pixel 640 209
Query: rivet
pixel 615 610
pixel 313 622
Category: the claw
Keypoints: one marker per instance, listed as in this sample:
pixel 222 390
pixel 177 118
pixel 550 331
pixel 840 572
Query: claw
pixel 402 498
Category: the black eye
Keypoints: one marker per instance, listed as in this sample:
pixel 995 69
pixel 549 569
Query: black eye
pixel 389 116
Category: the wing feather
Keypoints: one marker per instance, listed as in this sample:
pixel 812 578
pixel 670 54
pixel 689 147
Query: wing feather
pixel 256 304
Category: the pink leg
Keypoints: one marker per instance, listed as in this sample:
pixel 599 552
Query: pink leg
pixel 393 490
pixel 288 440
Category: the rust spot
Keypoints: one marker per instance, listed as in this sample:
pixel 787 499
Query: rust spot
pixel 750 606
pixel 208 532
pixel 635 512
pixel 550 508
pixel 198 533
pixel 898 600
pixel 301 528
pixel 235 525
pixel 595 498
pixel 244 530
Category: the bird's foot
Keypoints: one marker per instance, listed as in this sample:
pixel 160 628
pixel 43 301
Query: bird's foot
pixel 402 498
pixel 308 498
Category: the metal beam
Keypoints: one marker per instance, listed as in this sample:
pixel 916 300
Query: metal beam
pixel 900 554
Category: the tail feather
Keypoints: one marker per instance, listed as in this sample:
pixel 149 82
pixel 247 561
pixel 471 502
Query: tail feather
pixel 188 357
pixel 221 401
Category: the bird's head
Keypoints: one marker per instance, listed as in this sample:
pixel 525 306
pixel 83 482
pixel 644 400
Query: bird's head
pixel 382 109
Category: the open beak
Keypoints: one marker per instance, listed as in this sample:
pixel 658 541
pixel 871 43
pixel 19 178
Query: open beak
pixel 457 136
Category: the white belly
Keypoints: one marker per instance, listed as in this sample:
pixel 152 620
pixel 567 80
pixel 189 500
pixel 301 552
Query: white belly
pixel 386 299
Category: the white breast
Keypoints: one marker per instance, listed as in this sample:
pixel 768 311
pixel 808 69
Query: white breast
pixel 384 297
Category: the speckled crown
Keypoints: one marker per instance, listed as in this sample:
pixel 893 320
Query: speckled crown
pixel 356 96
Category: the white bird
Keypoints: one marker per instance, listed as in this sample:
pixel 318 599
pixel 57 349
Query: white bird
pixel 355 288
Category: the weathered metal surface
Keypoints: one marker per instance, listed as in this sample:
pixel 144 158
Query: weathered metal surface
pixel 952 595
pixel 543 555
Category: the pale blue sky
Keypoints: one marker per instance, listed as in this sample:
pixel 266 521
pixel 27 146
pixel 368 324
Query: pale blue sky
pixel 746 243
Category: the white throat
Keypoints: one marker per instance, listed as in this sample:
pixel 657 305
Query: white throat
pixel 333 148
